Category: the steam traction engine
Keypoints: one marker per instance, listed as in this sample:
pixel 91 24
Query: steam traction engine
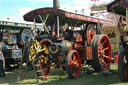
pixel 69 40
pixel 123 28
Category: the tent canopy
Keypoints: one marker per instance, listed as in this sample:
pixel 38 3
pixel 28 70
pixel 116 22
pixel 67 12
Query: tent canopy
pixel 118 6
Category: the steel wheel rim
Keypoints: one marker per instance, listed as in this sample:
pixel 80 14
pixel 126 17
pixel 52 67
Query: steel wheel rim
pixel 75 64
pixel 104 52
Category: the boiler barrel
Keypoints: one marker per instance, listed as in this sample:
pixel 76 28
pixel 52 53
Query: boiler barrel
pixel 62 47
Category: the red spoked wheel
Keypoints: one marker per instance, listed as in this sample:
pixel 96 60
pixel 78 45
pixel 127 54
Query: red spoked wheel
pixel 102 53
pixel 123 65
pixel 46 69
pixel 73 64
pixel 43 61
pixel 91 31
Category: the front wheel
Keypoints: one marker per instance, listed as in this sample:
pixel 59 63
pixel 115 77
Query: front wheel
pixel 73 64
pixel 123 66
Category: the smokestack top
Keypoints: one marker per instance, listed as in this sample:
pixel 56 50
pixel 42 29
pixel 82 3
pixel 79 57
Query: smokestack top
pixel 56 4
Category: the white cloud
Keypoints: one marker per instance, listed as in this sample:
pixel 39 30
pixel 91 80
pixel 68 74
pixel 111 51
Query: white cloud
pixel 23 11
pixel 19 16
pixel 78 5
pixel 48 0
pixel 42 0
pixel 82 4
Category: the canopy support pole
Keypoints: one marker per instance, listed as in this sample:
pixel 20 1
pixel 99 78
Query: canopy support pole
pixel 127 18
pixel 58 23
pixel 34 27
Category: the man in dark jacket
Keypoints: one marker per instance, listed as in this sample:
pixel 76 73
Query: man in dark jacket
pixel 2 64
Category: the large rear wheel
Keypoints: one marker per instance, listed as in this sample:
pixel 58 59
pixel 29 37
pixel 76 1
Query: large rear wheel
pixel 123 66
pixel 38 54
pixel 102 53
pixel 73 64
pixel 45 64
pixel 91 31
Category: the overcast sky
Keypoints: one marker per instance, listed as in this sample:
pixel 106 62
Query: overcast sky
pixel 15 9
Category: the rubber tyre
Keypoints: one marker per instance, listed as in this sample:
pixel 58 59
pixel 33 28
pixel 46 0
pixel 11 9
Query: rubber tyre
pixel 121 70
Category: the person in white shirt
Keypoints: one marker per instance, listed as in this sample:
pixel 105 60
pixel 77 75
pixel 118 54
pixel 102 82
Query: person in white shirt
pixel 2 63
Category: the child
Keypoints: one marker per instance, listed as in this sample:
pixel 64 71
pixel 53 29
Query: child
pixel 2 64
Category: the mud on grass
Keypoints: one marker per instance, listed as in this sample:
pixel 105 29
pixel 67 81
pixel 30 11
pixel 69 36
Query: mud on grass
pixel 58 77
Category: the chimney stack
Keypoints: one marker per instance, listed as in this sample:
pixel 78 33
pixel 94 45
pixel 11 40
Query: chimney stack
pixel 56 4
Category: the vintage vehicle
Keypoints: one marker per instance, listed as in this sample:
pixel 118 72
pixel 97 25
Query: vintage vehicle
pixel 69 40
pixel 12 38
pixel 123 58
pixel 121 7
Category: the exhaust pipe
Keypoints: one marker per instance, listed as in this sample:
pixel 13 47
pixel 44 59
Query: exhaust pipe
pixel 56 4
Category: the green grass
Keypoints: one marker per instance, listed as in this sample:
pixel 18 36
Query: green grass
pixel 58 77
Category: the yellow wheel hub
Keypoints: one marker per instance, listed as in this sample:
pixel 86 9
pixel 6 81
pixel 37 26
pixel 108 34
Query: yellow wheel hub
pixel 36 48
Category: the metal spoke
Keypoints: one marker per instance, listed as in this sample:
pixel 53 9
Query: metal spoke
pixel 74 58
pixel 100 46
pixel 104 42
pixel 106 56
pixel 105 48
pixel 103 61
pixel 71 61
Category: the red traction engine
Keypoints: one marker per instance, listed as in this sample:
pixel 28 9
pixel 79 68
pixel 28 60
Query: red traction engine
pixel 72 44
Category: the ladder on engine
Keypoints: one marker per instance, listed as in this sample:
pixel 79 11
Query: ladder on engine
pixel 36 67
pixel 38 71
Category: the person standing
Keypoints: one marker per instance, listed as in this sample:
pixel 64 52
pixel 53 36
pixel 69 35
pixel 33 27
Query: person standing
pixel 2 64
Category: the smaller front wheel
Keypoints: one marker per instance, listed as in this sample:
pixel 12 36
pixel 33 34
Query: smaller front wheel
pixel 73 64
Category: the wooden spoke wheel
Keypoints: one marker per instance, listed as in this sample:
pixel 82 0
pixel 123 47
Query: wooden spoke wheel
pixel 123 66
pixel 91 31
pixel 102 53
pixel 73 64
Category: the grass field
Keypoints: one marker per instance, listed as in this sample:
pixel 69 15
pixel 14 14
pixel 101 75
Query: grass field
pixel 58 77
